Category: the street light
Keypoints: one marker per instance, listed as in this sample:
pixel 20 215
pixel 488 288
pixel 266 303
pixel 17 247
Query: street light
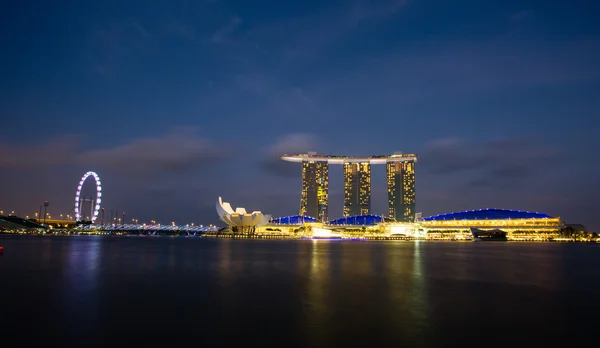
pixel 46 204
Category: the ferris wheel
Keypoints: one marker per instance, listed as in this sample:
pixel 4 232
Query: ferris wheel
pixel 95 203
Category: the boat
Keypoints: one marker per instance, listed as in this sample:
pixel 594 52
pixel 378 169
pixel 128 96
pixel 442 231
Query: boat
pixel 496 235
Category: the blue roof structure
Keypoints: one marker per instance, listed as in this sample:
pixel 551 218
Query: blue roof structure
pixel 488 214
pixel 360 220
pixel 292 220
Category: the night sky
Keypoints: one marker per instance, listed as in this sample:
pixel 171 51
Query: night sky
pixel 174 103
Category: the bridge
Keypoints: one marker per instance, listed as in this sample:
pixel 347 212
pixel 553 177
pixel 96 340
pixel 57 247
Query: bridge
pixel 75 223
pixel 147 229
pixel 56 223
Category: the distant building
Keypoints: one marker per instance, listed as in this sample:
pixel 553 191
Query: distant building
pixel 357 188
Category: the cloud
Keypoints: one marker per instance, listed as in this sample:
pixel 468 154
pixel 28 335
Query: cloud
pixel 289 144
pixel 177 151
pixel 493 162
pixel 57 151
pixel 174 152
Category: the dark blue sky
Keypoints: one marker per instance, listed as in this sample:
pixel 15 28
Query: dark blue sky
pixel 174 103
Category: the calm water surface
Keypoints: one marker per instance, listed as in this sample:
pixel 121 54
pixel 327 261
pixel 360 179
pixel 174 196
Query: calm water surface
pixel 173 291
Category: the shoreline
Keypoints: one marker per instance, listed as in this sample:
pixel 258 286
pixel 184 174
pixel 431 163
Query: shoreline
pixel 288 237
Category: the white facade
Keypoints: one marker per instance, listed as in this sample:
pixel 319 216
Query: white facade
pixel 239 217
pixel 347 159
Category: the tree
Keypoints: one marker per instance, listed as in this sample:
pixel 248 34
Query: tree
pixel 569 232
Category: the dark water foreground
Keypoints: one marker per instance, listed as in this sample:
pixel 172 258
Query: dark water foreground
pixel 174 291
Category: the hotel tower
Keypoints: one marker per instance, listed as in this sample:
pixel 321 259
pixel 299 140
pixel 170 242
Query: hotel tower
pixel 400 169
pixel 357 188
pixel 315 189
pixel 401 190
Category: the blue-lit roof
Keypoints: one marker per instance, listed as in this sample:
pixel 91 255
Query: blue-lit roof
pixel 358 220
pixel 292 220
pixel 488 214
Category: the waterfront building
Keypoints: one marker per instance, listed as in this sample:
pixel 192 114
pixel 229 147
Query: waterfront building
pixel 357 188
pixel 315 189
pixel 519 225
pixel 401 188
pixel 357 184
pixel 238 220
pixel 292 220
pixel 358 220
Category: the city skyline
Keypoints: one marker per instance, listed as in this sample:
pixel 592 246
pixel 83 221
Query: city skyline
pixel 498 100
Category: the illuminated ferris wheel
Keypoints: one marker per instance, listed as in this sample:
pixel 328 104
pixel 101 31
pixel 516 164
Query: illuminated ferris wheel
pixel 95 203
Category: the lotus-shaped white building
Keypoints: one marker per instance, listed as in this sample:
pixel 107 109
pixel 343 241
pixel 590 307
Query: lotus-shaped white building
pixel 239 219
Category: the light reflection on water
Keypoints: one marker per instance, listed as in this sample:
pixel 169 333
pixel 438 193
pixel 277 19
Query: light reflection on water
pixel 316 310
pixel 295 293
pixel 418 291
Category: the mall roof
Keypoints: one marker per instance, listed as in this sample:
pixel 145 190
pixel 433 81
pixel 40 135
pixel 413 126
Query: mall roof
pixel 488 214
pixel 292 220
pixel 368 219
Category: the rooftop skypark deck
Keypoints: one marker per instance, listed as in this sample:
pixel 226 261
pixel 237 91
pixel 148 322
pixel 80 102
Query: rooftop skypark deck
pixel 334 159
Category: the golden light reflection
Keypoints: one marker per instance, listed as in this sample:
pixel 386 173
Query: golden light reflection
pixel 405 272
pixel 318 312
pixel 418 290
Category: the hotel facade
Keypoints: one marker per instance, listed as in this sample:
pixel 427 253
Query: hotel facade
pixel 519 226
pixel 357 184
